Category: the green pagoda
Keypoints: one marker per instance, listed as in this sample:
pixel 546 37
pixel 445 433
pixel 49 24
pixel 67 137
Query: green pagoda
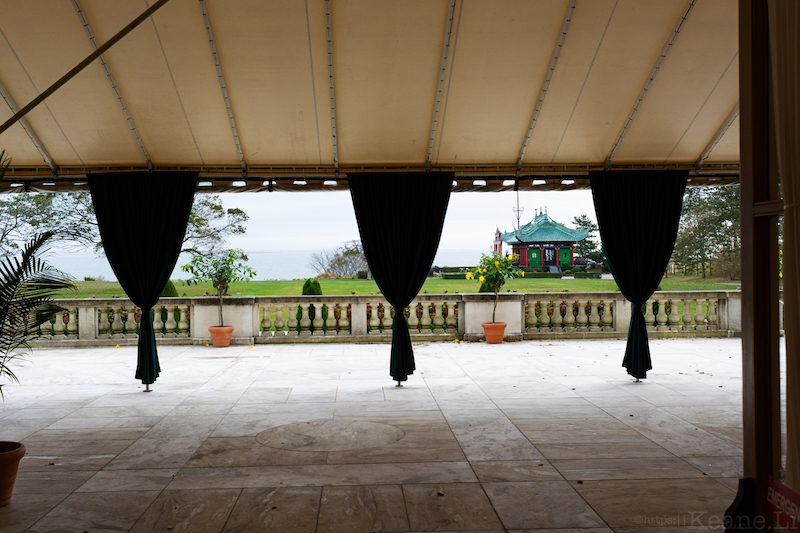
pixel 541 242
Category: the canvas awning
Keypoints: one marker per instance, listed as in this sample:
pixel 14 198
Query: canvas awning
pixel 500 91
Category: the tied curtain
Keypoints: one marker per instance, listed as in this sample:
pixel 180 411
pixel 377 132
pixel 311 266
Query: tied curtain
pixel 400 217
pixel 784 28
pixel 638 215
pixel 142 219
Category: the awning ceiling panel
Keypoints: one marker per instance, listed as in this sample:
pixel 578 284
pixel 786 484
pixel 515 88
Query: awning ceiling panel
pixel 616 75
pixel 386 64
pixel 697 87
pixel 387 57
pixel 281 106
pixel 502 51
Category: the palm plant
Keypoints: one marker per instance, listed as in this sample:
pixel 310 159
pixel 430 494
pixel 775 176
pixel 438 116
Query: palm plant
pixel 27 287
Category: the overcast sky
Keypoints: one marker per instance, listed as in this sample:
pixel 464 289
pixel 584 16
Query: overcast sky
pixel 316 220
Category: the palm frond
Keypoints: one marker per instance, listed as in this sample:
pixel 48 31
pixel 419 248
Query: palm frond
pixel 27 287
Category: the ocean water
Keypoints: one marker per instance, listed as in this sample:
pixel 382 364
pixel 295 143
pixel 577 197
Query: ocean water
pixel 283 264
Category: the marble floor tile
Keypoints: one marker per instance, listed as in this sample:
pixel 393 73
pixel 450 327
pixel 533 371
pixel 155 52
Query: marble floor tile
pixel 629 468
pixel 674 434
pixel 318 475
pixel 127 480
pixel 683 502
pixel 25 510
pixel 498 471
pixel 362 509
pixel 36 463
pixel 221 452
pixel 486 436
pixel 726 467
pixel 105 511
pixel 449 507
pixel 275 510
pixel 602 450
pixel 541 504
pixel 198 511
pixel 50 482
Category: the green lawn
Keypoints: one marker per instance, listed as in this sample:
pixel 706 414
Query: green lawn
pixel 109 289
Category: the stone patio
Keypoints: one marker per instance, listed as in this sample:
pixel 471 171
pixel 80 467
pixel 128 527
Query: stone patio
pixel 528 435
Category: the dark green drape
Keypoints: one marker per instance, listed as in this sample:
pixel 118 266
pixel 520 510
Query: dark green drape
pixel 638 214
pixel 142 218
pixel 400 217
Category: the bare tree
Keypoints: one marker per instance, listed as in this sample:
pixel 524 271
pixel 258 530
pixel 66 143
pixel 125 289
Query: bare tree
pixel 342 262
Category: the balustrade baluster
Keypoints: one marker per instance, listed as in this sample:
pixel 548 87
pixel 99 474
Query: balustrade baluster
pixel 290 323
pixel 569 316
pixel 608 315
pixel 451 322
pixel 687 313
pixel 171 324
pixel 266 322
pixel 330 322
pixel 425 323
pixel 594 318
pixel 387 318
pixel 72 325
pixel 344 322
pixel 102 324
pixel 158 324
pixel 305 321
pixel 649 317
pixel 413 319
pixel 438 318
pixel 557 318
pixel 530 320
pixel 582 318
pixel 699 316
pixel 674 318
pixel 712 314
pixel 318 321
pixel 183 323
pixel 661 317
pixel 374 319
pixel 116 321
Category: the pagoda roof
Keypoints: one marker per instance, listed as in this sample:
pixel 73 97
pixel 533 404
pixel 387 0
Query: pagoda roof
pixel 543 229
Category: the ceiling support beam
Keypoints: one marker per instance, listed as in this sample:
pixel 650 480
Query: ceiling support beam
pixel 113 83
pixel 656 69
pixel 82 65
pixel 28 129
pixel 718 136
pixel 330 85
pixel 546 84
pixel 448 31
pixel 222 84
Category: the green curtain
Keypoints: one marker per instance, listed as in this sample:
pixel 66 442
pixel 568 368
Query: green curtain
pixel 142 219
pixel 400 217
pixel 638 214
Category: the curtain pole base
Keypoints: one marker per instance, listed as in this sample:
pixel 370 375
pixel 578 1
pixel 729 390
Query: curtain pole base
pixel 638 380
pixel 147 388
pixel 399 384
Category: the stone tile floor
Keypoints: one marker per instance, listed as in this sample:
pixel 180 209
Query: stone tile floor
pixel 515 437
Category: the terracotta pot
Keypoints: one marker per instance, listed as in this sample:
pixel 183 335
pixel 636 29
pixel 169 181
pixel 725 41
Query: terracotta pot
pixel 494 331
pixel 221 336
pixel 10 455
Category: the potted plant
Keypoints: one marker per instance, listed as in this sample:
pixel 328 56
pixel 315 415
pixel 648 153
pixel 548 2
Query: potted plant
pixel 492 271
pixel 27 288
pixel 221 269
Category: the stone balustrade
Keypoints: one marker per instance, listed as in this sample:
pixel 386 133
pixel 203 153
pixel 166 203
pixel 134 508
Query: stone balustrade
pixel 368 318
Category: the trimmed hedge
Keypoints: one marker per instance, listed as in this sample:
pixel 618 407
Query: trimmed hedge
pixel 542 274
pixel 169 290
pixel 587 275
pixel 454 275
pixel 450 270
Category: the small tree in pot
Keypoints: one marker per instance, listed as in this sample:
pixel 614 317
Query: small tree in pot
pixel 493 270
pixel 221 269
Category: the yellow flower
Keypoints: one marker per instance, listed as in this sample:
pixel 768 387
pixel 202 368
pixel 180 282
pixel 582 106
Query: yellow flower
pixel 481 279
pixel 470 275
pixel 497 263
pixel 522 273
